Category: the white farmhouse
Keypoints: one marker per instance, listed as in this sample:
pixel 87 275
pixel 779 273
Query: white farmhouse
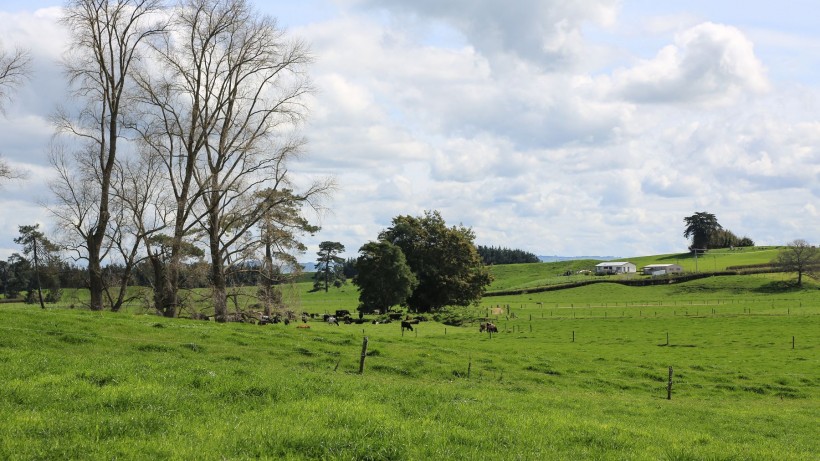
pixel 661 269
pixel 615 267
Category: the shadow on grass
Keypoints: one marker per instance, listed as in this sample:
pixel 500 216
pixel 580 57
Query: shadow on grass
pixel 780 286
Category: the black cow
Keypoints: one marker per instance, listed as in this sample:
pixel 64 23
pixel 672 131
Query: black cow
pixel 405 325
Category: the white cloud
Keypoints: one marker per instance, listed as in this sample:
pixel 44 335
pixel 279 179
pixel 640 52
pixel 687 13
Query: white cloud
pixel 496 114
pixel 546 32
pixel 709 63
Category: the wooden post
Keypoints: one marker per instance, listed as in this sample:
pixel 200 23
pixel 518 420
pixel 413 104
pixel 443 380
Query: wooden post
pixel 469 366
pixel 667 338
pixel 573 335
pixel 792 342
pixel 669 386
pixel 364 354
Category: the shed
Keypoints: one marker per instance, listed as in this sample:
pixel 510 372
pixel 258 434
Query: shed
pixel 615 267
pixel 661 269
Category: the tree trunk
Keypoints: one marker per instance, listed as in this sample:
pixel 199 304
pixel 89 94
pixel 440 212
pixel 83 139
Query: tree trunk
pixel 218 282
pixel 266 279
pixel 95 277
pixel 37 273
pixel 219 291
pixel 165 299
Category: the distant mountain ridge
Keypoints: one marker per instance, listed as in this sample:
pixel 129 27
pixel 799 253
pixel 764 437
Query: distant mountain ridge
pixel 552 259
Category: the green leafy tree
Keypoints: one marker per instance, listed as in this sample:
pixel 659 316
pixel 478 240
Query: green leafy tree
pixel 724 238
pixel 493 255
pixel 279 232
pixel 700 227
pixel 4 277
pixel 329 266
pixel 18 276
pixel 45 259
pixel 444 260
pixel 384 279
pixel 799 256
pixel 349 268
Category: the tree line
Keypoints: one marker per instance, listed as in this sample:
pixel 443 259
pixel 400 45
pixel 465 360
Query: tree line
pixel 503 255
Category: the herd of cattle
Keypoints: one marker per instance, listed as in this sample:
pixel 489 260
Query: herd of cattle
pixel 340 316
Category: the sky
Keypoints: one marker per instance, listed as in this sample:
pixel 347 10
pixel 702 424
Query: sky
pixel 590 127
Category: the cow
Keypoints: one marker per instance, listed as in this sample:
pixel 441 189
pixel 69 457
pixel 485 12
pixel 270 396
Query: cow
pixel 332 320
pixel 488 327
pixel 405 325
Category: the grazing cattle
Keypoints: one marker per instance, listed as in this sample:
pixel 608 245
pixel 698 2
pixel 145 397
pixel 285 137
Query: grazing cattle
pixel 488 327
pixel 341 313
pixel 332 320
pixel 405 325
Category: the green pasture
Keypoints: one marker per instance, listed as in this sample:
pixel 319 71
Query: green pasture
pixel 520 276
pixel 713 260
pixel 524 276
pixel 572 374
pixel 558 381
pixel 724 293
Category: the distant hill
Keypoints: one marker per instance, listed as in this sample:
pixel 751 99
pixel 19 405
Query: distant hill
pixel 309 267
pixel 553 259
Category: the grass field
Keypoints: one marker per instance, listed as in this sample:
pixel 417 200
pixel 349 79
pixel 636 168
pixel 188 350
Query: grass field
pixel 573 374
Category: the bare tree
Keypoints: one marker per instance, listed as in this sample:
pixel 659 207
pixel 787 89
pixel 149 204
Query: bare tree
pixel 5 171
pixel 224 110
pixel 105 47
pixel 176 122
pixel 14 70
pixel 799 256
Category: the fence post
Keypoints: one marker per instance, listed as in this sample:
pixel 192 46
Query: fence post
pixel 669 386
pixel 364 354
